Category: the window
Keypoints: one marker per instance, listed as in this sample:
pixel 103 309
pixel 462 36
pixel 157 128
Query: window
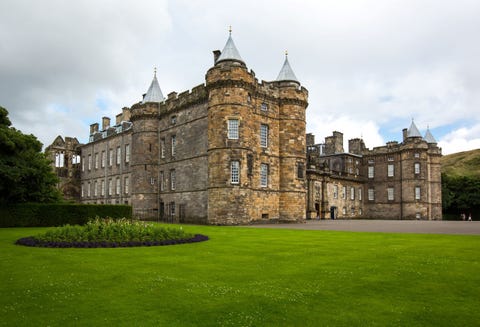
pixel 95 192
pixel 352 193
pixel 233 129
pixel 416 155
pixel 126 185
pixel 117 189
pixel 235 172
pixel 162 147
pixel 82 191
pixel 119 155
pixel 172 209
pixel 263 135
pixel 371 161
pixel 264 106
pixel 371 194
pixel 88 189
pixel 75 159
pixel 127 153
pixel 110 186
pixel 300 170
pixel 102 191
pixel 371 171
pixel 59 160
pixel 344 211
pixel 417 168
pixel 344 192
pixel 173 180
pixel 96 160
pixel 89 162
pixel 391 170
pixel 335 191
pixel 352 211
pixel 102 159
pixel 390 159
pixel 110 157
pixel 174 144
pixel 173 120
pixel 359 194
pixel 263 175
pixel 390 194
pixel 417 192
pixel 162 178
pixel 83 164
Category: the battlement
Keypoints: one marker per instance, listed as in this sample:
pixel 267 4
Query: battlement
pixel 175 101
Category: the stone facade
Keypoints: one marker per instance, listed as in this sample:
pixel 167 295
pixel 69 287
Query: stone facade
pixel 395 181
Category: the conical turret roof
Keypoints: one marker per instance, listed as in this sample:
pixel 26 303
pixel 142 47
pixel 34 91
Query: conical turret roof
pixel 230 51
pixel 154 93
pixel 429 137
pixel 286 73
pixel 413 131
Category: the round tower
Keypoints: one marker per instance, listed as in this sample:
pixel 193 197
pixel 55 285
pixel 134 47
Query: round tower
pixel 229 141
pixel 145 152
pixel 293 102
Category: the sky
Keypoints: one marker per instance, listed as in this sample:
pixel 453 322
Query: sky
pixel 370 66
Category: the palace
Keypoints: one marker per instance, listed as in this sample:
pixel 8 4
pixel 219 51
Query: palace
pixel 235 151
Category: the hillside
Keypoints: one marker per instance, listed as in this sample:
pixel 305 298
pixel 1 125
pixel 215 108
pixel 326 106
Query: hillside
pixel 465 163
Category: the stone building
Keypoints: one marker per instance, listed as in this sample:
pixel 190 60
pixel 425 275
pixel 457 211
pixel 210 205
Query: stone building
pixel 395 181
pixel 234 150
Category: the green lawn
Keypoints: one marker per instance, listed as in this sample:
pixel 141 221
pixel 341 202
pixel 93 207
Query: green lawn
pixel 246 277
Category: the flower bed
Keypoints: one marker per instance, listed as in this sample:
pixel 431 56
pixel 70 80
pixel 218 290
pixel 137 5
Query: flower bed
pixel 111 233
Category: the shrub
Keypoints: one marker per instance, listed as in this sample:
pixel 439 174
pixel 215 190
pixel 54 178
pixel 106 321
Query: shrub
pixel 109 232
pixel 58 214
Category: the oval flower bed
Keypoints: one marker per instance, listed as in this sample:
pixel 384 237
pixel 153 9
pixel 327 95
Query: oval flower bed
pixel 111 233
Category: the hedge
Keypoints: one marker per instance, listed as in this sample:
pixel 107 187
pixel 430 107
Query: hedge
pixel 46 215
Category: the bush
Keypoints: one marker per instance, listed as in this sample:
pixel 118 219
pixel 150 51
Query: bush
pixel 109 232
pixel 58 214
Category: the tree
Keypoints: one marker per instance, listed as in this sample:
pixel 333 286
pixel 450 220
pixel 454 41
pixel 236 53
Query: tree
pixel 25 173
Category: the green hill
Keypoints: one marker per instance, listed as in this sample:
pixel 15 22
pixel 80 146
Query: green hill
pixel 465 163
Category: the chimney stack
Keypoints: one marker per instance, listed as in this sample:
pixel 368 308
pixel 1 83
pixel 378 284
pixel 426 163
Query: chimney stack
pixel 105 123
pixel 93 128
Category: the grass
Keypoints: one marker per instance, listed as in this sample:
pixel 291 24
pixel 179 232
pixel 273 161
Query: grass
pixel 465 163
pixel 246 277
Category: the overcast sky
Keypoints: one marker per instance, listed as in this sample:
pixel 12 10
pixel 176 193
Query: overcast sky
pixel 370 66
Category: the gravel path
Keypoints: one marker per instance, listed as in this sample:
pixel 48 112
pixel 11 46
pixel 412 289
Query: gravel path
pixel 387 226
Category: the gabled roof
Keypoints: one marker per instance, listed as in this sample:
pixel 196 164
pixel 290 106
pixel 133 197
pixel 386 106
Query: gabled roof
pixel 429 137
pixel 230 51
pixel 413 131
pixel 154 93
pixel 286 73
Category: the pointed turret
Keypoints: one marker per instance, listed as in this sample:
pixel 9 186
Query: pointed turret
pixel 154 93
pixel 286 73
pixel 413 131
pixel 230 51
pixel 429 137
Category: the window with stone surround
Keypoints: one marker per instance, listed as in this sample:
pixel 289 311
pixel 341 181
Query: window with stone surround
pixel 417 168
pixel 162 181
pixel 335 191
pixel 300 170
pixel 263 175
pixel 371 171
pixel 264 135
pixel 162 147
pixel 232 129
pixel 390 194
pixel 102 191
pixel 417 193
pixel 83 163
pixel 359 194
pixel 110 157
pixel 390 170
pixel 174 145
pixel 82 191
pixel 264 106
pixel 102 159
pixel 352 193
pixel 89 162
pixel 173 180
pixel 96 160
pixel 119 155
pixel 117 190
pixel 126 185
pixel 235 172
pixel 110 187
pixel 371 194
pixel 127 153
pixel 95 188
pixel 344 192
pixel 88 189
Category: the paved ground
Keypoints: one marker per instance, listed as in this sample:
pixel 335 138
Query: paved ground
pixel 388 226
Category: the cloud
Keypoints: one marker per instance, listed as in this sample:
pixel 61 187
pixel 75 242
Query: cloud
pixel 370 66
pixel 462 139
